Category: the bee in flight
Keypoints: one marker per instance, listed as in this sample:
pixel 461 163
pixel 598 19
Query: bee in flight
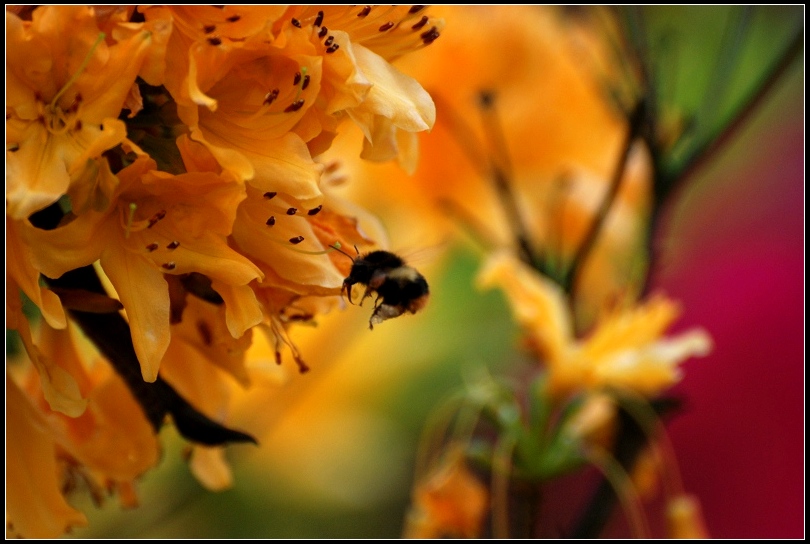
pixel 398 287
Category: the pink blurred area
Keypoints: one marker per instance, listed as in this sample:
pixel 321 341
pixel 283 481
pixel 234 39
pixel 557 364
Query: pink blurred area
pixel 735 259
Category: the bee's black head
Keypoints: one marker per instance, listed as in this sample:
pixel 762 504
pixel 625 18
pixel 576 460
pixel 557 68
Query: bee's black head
pixel 365 266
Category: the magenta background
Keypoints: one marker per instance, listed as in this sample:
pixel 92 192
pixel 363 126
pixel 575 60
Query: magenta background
pixel 739 271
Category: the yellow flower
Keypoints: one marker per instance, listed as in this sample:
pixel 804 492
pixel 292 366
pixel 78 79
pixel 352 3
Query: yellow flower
pixel 65 86
pixel 158 224
pixel 449 502
pixel 625 350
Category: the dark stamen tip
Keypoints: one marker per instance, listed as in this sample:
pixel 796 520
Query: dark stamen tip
pixel 486 98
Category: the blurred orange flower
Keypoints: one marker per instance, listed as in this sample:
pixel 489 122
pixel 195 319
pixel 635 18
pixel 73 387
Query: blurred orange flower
pixel 448 502
pixel 625 350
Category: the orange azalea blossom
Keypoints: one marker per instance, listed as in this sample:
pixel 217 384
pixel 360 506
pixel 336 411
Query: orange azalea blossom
pixel 265 91
pixel 158 224
pixel 625 349
pixel 106 443
pixel 448 502
pixel 34 506
pixel 65 87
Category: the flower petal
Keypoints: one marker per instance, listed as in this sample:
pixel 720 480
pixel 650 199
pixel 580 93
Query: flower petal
pixel 145 295
pixel 35 508
pixel 537 302
pixel 242 309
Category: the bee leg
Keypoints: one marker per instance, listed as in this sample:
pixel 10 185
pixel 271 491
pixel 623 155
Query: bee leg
pixel 366 295
pixel 375 317
pixel 347 288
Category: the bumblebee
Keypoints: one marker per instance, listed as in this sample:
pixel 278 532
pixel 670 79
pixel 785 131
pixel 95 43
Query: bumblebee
pixel 399 288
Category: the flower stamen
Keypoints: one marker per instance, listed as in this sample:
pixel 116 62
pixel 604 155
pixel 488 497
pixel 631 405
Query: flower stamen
pixel 78 72
pixel 130 217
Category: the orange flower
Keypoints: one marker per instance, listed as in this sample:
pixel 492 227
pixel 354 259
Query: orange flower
pixel 35 508
pixel 158 224
pixel 449 502
pixel 625 350
pixel 266 98
pixel 108 444
pixel 65 87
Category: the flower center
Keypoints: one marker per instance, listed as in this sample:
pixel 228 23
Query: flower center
pixel 57 119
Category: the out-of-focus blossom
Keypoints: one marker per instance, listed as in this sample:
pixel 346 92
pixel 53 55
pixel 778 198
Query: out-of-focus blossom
pixel 626 349
pixel 685 519
pixel 448 502
pixel 105 446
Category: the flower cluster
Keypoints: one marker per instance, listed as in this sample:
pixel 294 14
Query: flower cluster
pixel 164 161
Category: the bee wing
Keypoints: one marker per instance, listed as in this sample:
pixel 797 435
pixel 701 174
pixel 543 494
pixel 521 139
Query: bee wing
pixel 425 255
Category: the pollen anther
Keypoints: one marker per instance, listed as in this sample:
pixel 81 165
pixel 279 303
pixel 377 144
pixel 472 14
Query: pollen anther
pixel 422 22
pixel 295 106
